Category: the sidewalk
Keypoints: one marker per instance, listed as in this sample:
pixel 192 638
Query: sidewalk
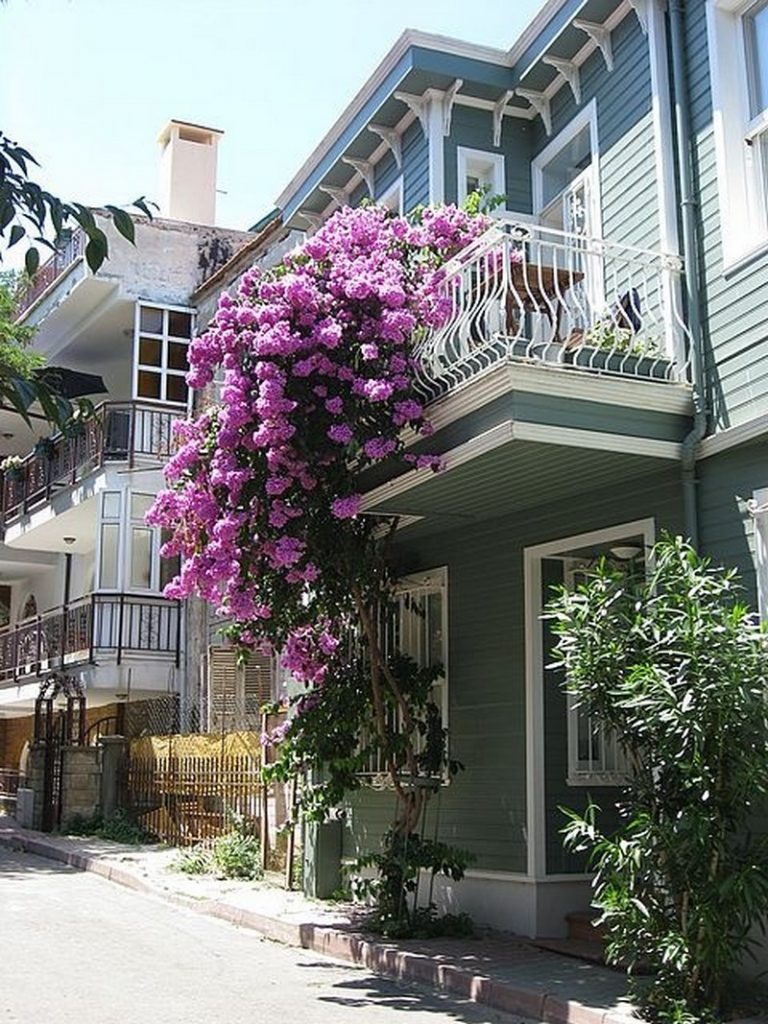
pixel 497 969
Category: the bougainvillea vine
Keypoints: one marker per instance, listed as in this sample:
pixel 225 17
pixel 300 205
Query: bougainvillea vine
pixel 264 495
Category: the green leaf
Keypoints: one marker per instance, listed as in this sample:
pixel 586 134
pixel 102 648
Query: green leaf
pixel 123 223
pixel 31 261
pixel 96 250
pixel 17 233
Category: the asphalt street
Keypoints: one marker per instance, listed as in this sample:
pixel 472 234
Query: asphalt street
pixel 77 949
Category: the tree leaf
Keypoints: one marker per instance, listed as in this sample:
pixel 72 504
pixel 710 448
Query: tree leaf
pixel 123 223
pixel 31 261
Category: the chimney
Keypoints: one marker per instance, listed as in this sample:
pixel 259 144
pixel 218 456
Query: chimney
pixel 188 172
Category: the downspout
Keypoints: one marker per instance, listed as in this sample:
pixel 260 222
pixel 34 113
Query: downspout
pixel 689 219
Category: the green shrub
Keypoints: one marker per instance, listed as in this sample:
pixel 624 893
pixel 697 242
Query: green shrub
pixel 195 861
pixel 119 827
pixel 675 665
pixel 238 855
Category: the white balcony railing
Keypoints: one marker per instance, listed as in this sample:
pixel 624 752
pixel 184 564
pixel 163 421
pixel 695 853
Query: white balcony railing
pixel 524 292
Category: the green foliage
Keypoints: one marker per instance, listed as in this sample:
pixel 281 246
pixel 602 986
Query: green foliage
pixel 608 336
pixel 676 665
pixel 23 380
pixel 28 212
pixel 194 861
pixel 234 855
pixel 394 890
pixel 238 853
pixel 481 201
pixel 119 827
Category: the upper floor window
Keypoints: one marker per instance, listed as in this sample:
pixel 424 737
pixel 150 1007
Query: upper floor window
pixel 738 50
pixel 160 362
pixel 479 171
pixel 565 181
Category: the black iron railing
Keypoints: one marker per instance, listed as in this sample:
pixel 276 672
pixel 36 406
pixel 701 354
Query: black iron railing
pixel 115 624
pixel 118 432
pixel 53 268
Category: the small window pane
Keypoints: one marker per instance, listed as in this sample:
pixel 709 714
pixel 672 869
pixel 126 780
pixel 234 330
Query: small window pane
pixel 151 320
pixel 111 505
pixel 141 558
pixel 177 356
pixel 180 325
pixel 149 384
pixel 176 388
pixel 169 567
pixel 150 351
pixel 140 505
pixel 110 537
pixel 566 165
pixel 756 26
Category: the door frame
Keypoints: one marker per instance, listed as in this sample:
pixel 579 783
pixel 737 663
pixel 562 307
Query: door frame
pixel 534 671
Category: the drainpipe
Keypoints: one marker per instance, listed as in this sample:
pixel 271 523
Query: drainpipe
pixel 689 217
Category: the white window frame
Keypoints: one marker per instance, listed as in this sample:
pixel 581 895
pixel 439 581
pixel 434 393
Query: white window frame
pixel 758 508
pixel 423 583
pixel 586 117
pixel 392 197
pixel 125 524
pixel 162 371
pixel 578 775
pixel 465 157
pixel 743 205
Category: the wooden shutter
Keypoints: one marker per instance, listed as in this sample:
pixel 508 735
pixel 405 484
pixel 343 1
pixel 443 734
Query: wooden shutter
pixel 237 692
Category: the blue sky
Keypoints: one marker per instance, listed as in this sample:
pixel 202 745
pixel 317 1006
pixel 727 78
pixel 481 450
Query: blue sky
pixel 86 85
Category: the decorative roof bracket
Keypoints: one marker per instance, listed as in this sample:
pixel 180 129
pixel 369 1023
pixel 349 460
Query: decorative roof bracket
pixel 392 140
pixel 640 7
pixel 419 105
pixel 600 36
pixel 339 195
pixel 569 71
pixel 313 219
pixel 365 169
pixel 498 114
pixel 540 103
pixel 448 101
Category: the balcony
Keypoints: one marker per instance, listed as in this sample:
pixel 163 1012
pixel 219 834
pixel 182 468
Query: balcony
pixel 531 294
pixel 128 432
pixel 112 625
pixel 53 268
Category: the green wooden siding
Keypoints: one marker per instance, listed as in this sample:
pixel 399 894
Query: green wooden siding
pixel 726 482
pixel 474 129
pixel 415 167
pixel 735 312
pixel 628 187
pixel 484 808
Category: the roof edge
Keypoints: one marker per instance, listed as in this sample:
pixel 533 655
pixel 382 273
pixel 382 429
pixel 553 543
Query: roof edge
pixel 408 39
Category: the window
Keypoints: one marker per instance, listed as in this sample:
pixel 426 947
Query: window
pixel 565 178
pixel 738 52
pixel 129 552
pixel 162 340
pixel 758 509
pixel 595 758
pixel 478 170
pixel 419 628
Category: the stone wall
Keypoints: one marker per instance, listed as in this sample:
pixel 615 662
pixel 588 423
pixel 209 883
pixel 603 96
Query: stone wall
pixel 80 782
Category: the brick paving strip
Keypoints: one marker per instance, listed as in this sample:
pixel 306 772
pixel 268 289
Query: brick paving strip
pixel 497 970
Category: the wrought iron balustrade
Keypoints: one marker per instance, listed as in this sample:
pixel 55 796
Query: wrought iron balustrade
pixel 116 625
pixel 53 268
pixel 525 292
pixel 118 432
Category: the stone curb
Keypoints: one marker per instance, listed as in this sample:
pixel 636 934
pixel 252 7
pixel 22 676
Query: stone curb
pixel 378 957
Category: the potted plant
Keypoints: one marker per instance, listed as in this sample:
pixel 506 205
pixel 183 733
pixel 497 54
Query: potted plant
pixel 12 468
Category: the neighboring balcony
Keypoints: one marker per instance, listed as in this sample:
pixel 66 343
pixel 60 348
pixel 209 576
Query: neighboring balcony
pixel 70 253
pixel 133 433
pixel 524 293
pixel 100 626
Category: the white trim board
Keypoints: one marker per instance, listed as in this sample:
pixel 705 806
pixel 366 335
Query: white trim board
pixel 534 669
pixel 731 437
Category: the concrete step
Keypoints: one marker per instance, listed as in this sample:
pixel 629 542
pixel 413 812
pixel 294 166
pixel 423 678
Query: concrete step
pixel 582 927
